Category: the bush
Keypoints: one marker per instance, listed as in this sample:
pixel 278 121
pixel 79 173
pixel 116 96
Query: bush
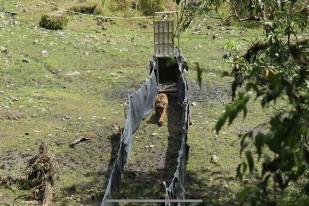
pixel 148 7
pixel 53 22
pixel 85 9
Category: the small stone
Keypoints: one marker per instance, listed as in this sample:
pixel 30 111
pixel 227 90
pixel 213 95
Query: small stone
pixel 3 49
pixel 58 143
pixel 14 99
pixel 154 134
pixel 74 73
pixel 25 60
pixel 214 159
pixel 151 146
pixel 245 181
pixel 193 103
pixel 123 50
pixel 225 186
pixel 86 53
pixel 67 117
pixel 44 53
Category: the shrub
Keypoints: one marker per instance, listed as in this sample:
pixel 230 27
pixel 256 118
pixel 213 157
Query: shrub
pixel 148 7
pixel 85 9
pixel 53 22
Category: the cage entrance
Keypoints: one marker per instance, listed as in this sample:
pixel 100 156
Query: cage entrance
pixel 168 74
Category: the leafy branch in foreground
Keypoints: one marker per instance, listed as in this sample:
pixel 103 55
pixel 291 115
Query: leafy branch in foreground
pixel 275 69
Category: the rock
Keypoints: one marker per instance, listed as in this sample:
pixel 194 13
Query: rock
pixel 211 74
pixel 154 134
pixel 151 146
pixel 58 143
pixel 36 41
pixel 3 50
pixel 225 186
pixel 193 103
pixel 74 73
pixel 25 60
pixel 86 53
pixel 196 32
pixel 214 159
pixel 14 99
pixel 60 34
pixel 44 53
pixel 246 181
pixel 123 50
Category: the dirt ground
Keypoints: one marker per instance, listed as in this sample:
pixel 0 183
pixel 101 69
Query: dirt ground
pixel 154 155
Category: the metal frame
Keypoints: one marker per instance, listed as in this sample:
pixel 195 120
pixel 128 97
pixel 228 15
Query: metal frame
pixel 161 29
pixel 162 15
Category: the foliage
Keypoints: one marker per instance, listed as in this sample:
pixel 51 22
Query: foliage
pixel 53 22
pixel 276 69
pixel 148 7
pixel 85 9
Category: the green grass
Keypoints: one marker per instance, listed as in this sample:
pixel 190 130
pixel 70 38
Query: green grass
pixel 109 63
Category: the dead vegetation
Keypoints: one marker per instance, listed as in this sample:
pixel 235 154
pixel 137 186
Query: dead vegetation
pixel 40 173
pixel 39 178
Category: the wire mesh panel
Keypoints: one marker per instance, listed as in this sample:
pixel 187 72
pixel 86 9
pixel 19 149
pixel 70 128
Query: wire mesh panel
pixel 164 38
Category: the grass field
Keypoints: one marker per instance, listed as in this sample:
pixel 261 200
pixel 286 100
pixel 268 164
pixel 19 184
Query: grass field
pixel 79 88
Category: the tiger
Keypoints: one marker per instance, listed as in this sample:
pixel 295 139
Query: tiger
pixel 161 104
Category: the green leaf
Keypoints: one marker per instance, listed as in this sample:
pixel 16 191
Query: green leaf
pixel 250 161
pixel 221 121
pixel 244 168
pixel 259 143
pixel 238 172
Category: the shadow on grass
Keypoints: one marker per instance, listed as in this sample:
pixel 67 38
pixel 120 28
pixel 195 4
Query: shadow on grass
pixel 87 194
pixel 212 194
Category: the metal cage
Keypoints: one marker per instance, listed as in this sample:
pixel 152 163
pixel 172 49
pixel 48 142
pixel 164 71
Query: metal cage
pixel 167 72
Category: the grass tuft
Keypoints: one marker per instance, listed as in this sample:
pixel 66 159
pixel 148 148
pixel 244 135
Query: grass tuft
pixel 53 22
